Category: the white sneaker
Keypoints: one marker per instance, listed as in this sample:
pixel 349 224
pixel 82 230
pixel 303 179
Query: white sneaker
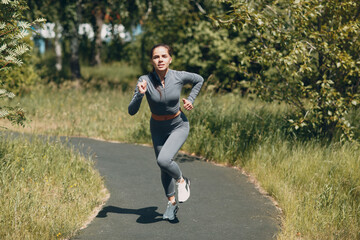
pixel 171 211
pixel 183 190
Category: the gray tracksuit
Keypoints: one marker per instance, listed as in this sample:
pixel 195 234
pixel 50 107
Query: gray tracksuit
pixel 167 136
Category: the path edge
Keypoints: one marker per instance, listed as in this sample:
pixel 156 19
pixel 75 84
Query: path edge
pixel 250 177
pixel 94 212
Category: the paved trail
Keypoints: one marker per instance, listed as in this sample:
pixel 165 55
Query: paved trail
pixel 223 204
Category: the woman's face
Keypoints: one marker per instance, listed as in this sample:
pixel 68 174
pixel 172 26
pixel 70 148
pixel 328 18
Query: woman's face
pixel 161 59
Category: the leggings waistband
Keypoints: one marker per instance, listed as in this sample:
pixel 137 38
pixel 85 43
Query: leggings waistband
pixel 165 117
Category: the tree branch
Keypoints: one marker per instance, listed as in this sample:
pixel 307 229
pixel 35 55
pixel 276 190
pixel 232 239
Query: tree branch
pixel 199 7
pixel 8 31
pixel 226 21
pixel 5 64
pixel 148 11
pixel 272 10
pixel 16 28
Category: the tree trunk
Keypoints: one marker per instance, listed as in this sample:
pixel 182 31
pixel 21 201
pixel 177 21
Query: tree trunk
pixel 99 18
pixel 74 60
pixel 74 46
pixel 58 49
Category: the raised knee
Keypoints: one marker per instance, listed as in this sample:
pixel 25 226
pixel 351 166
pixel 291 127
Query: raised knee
pixel 163 162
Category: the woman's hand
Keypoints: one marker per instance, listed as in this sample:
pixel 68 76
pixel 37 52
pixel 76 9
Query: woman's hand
pixel 142 86
pixel 187 104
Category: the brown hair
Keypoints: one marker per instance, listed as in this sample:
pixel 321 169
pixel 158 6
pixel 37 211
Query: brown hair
pixel 160 45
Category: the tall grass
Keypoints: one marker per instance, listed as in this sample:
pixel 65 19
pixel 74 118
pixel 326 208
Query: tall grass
pixel 234 125
pixel 318 187
pixel 47 191
pixel 317 184
pixel 70 112
pixel 114 75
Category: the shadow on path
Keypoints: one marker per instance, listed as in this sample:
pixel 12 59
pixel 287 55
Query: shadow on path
pixel 182 157
pixel 146 215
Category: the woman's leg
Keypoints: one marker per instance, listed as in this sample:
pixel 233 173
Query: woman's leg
pixel 169 185
pixel 170 148
pixel 166 147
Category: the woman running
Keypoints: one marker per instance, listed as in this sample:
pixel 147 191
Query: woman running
pixel 169 126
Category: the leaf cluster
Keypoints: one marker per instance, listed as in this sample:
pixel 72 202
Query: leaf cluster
pixel 309 58
pixel 197 45
pixel 13 30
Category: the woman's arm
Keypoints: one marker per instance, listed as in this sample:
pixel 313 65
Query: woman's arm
pixel 137 97
pixel 196 80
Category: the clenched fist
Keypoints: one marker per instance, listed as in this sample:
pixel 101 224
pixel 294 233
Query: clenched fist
pixel 142 86
pixel 187 104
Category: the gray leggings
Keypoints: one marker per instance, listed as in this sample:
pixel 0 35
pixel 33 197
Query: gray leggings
pixel 168 137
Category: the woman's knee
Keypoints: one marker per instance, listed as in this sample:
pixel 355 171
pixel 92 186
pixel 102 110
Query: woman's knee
pixel 163 162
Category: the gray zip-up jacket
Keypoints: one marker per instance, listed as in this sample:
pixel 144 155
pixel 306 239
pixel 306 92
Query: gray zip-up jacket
pixel 165 100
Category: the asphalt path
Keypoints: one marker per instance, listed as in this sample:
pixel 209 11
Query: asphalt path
pixel 223 203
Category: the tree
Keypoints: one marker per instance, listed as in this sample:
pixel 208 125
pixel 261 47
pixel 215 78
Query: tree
pixel 114 12
pixel 71 19
pixel 69 14
pixel 13 30
pixel 198 46
pixel 49 9
pixel 309 58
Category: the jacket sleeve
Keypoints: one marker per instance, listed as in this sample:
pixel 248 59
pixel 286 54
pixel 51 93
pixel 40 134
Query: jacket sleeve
pixel 196 80
pixel 136 100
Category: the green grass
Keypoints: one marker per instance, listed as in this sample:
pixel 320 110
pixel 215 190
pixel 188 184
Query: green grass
pixel 113 75
pixel 101 114
pixel 316 184
pixel 234 125
pixel 317 187
pixel 47 191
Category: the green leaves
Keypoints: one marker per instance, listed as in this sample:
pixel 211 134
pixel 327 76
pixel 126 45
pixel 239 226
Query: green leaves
pixel 6 94
pixel 198 47
pixel 308 52
pixel 12 31
pixel 13 47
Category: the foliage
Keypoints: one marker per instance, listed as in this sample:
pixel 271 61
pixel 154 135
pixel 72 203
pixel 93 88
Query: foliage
pixel 13 31
pixel 308 52
pixel 198 46
pixel 67 15
pixel 21 78
pixel 184 25
pixel 316 184
pixel 12 49
pixel 210 53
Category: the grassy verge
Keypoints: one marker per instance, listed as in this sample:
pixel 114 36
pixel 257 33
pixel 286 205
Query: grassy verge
pixel 100 114
pixel 114 75
pixel 317 185
pixel 47 191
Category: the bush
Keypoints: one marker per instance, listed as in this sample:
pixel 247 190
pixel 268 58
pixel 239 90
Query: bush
pixel 21 79
pixel 13 48
pixel 309 58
